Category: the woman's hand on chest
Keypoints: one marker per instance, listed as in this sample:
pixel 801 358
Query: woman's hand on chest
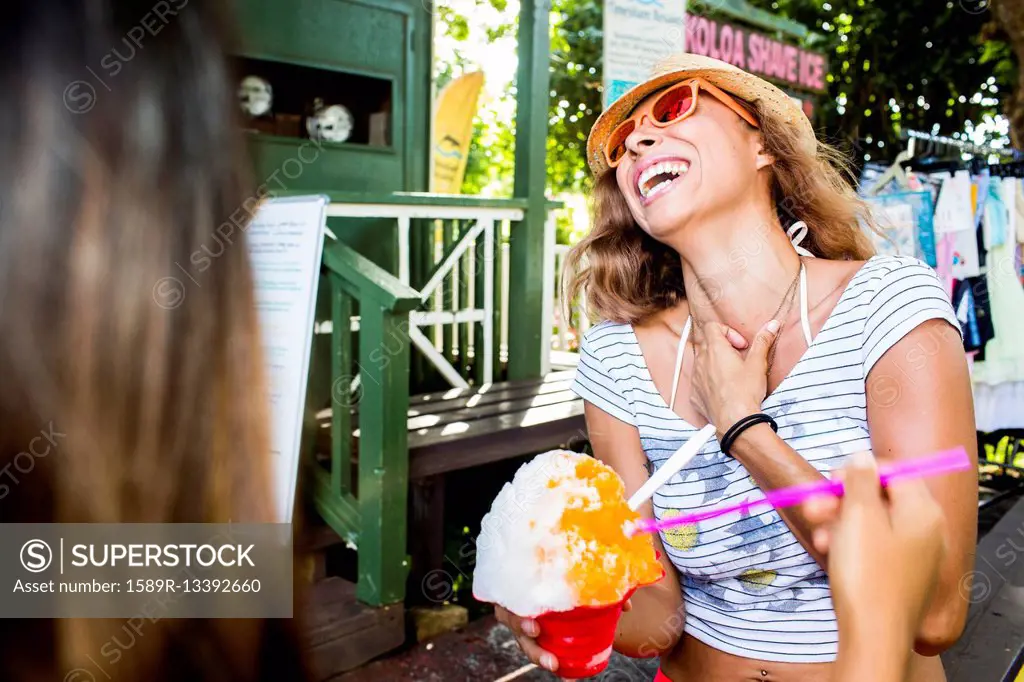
pixel 729 379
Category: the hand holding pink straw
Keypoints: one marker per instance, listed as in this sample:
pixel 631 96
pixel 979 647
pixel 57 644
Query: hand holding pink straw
pixel 944 462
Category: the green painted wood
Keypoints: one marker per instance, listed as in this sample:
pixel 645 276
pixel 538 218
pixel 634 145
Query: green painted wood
pixel 748 14
pixel 340 512
pixel 383 456
pixel 289 167
pixel 386 39
pixel 343 399
pixel 339 34
pixel 526 268
pixel 417 107
pixel 370 283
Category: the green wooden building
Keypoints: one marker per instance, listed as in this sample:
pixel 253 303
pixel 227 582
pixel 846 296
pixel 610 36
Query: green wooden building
pixel 428 305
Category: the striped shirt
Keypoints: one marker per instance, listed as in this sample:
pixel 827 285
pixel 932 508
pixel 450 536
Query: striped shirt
pixel 749 586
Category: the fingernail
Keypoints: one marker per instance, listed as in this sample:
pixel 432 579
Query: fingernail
pixel 863 460
pixel 548 662
pixel 531 628
pixel 773 326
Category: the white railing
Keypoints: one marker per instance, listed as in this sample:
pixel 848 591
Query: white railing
pixel 454 296
pixel 461 261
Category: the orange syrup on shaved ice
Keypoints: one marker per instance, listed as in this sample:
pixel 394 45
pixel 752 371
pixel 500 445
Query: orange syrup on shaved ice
pixel 606 563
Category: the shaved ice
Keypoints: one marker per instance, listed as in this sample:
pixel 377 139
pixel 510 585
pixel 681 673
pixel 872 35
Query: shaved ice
pixel 554 539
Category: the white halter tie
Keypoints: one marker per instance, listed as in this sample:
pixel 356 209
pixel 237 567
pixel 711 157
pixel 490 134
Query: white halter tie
pixel 796 233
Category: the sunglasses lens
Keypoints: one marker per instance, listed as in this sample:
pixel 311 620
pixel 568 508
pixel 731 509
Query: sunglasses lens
pixel 673 105
pixel 616 145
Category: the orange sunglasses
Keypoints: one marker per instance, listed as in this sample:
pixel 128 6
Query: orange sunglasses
pixel 672 105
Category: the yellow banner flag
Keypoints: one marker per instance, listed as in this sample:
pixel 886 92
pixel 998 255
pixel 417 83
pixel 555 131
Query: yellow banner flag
pixel 453 129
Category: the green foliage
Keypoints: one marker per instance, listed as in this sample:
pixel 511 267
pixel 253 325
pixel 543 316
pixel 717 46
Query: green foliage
pixel 918 64
pixel 913 64
pixel 491 164
pixel 576 51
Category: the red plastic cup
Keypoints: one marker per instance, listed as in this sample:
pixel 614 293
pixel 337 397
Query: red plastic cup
pixel 581 639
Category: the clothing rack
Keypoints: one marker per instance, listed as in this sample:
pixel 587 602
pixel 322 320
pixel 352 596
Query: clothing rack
pixel 1009 169
pixel 938 143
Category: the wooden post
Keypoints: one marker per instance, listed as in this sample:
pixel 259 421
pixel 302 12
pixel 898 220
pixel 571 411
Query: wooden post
pixel 427 538
pixel 527 238
pixel 383 455
pixel 376 520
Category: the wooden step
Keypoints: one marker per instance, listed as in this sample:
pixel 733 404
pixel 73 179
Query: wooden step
pixel 341 633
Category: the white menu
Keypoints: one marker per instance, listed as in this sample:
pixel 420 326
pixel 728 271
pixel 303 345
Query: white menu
pixel 286 239
pixel 637 35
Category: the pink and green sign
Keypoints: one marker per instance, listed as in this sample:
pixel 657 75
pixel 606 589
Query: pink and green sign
pixel 756 52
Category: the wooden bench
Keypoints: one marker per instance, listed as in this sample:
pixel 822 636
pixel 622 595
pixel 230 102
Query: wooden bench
pixel 464 428
pixel 457 429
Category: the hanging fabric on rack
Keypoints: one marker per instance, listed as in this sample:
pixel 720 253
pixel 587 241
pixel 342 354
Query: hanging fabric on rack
pixel 975 242
pixel 1008 198
pixel 1004 355
pixel 906 221
pixel 1019 205
pixel 994 218
pixel 979 194
pixel 954 215
pixel 965 305
pixel 944 262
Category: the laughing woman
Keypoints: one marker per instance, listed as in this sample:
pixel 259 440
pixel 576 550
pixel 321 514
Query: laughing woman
pixel 738 289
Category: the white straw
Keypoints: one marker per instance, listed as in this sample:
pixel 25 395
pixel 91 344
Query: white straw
pixel 679 459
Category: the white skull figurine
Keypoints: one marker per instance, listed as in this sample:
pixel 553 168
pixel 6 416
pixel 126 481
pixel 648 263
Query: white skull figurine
pixel 333 123
pixel 256 96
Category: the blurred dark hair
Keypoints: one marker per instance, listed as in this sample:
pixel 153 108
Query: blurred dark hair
pixel 120 154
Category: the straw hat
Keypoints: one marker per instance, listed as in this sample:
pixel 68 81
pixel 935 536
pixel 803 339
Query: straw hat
pixel 682 67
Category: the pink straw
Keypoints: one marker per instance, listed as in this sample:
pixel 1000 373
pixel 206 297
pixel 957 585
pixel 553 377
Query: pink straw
pixel 944 462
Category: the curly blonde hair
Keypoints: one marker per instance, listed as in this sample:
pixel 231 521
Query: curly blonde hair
pixel 627 275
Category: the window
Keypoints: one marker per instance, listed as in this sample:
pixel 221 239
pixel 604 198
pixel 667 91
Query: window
pixel 278 98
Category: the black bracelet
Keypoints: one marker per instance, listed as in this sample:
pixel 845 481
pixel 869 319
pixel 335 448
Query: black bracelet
pixel 742 425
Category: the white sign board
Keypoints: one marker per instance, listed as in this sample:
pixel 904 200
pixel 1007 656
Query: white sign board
pixel 286 239
pixel 637 35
